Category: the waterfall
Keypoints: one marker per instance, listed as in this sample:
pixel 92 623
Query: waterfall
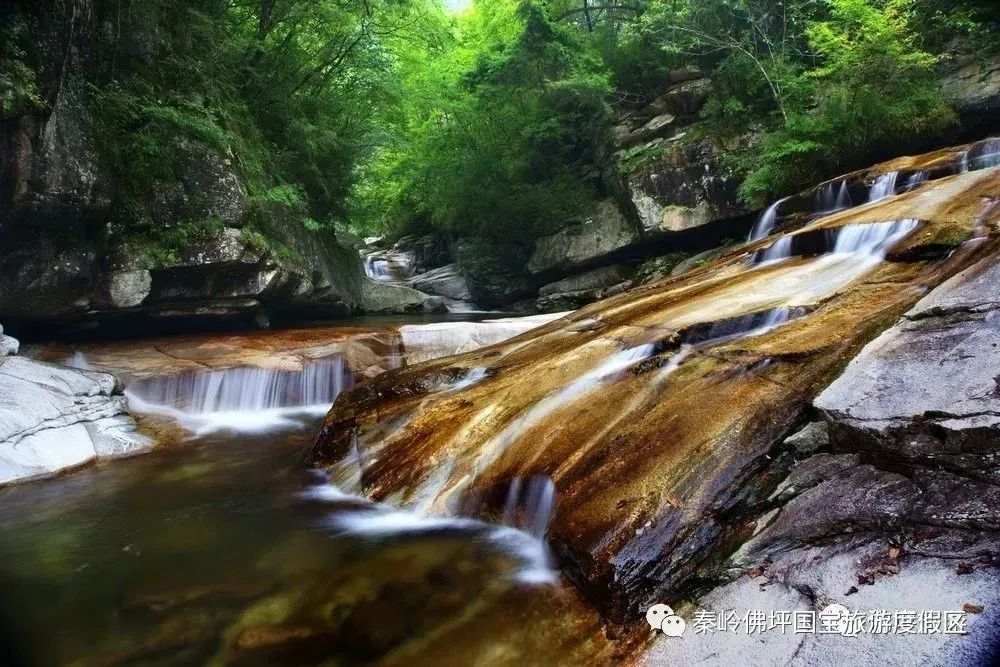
pixel 529 504
pixel 830 198
pixel 389 267
pixel 780 249
pixel 245 398
pixel 884 186
pixel 765 224
pixel 916 178
pixel 378 269
pixel 471 377
pixel 825 198
pixel 78 360
pixel 843 197
pixel 984 155
pixel 871 239
pixel 752 324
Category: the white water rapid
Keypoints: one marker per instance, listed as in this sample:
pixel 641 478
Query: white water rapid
pixel 242 399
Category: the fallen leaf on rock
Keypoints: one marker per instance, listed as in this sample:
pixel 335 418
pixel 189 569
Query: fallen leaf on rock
pixel 970 608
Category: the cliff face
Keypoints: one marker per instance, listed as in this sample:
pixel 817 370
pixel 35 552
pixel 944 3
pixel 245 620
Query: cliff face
pixel 188 247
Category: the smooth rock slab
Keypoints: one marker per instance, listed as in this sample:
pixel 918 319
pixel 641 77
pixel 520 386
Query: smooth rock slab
pixel 53 417
pixel 928 387
pixel 423 342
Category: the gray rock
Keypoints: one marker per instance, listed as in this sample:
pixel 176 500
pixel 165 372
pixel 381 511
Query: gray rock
pixel 812 437
pixel 684 184
pixel 8 345
pixel 972 83
pixel 604 276
pixel 585 241
pixel 388 298
pixel 53 417
pixel 660 126
pixel 926 389
pixel 128 288
pixel 446 281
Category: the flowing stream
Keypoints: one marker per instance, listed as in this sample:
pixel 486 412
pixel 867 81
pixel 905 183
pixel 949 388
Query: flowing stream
pixel 227 548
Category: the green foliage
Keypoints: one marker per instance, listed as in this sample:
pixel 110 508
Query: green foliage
pixel 166 245
pixel 498 120
pixel 874 88
pixel 18 82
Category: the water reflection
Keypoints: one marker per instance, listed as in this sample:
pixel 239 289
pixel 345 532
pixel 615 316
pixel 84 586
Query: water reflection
pixel 225 551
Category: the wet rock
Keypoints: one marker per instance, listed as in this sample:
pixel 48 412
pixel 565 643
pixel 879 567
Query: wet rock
pixel 53 417
pixel 657 450
pixel 584 241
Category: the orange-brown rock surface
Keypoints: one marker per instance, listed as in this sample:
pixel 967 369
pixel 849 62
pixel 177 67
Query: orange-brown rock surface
pixel 658 430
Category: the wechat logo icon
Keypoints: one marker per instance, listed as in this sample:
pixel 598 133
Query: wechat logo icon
pixel 661 617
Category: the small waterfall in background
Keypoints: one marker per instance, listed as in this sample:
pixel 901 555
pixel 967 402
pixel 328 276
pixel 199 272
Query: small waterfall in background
pixel 832 197
pixel 984 155
pixel 884 186
pixel 78 360
pixel 765 224
pixel 242 399
pixel 916 179
pixel 843 198
pixel 377 269
pixel 389 267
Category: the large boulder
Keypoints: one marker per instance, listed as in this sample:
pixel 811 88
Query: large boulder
pixel 447 281
pixel 388 298
pixel 53 417
pixel 493 272
pixel 582 242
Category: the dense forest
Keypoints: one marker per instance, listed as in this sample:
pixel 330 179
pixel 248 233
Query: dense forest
pixel 493 120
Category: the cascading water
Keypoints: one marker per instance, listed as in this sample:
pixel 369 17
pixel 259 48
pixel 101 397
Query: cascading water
pixel 529 504
pixel 916 179
pixel 843 197
pixel 830 198
pixel 871 239
pixel 984 155
pixel 765 224
pixel 780 249
pixel 884 186
pixel 242 399
pixel 377 269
